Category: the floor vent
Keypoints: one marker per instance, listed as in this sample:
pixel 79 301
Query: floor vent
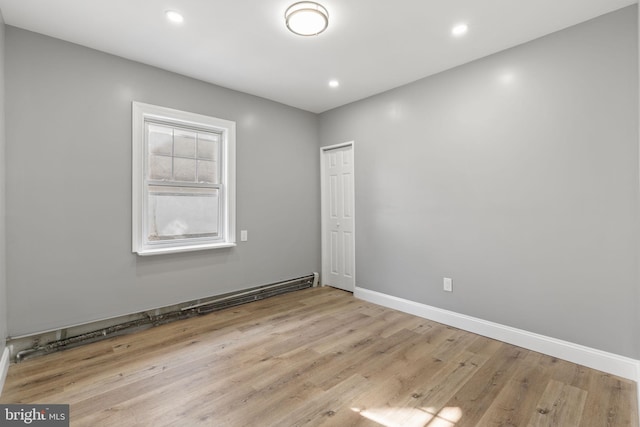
pixel 31 346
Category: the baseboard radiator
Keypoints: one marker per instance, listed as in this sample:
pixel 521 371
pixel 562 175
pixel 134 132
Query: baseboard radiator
pixel 49 342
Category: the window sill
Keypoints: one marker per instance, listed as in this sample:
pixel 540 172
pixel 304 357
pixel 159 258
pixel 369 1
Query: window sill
pixel 189 248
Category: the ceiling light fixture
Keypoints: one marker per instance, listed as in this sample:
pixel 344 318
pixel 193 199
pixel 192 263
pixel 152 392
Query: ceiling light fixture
pixel 460 30
pixel 174 16
pixel 306 18
pixel 334 83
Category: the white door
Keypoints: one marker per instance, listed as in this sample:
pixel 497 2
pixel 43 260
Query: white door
pixel 338 238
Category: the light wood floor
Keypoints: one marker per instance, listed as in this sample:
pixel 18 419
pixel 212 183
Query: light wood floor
pixel 318 357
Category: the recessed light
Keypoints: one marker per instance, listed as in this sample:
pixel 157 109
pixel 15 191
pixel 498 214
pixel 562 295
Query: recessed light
pixel 334 83
pixel 460 30
pixel 174 16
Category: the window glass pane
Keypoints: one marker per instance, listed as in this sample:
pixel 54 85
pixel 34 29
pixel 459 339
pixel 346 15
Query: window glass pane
pixel 178 213
pixel 184 143
pixel 160 139
pixel 184 170
pixel 208 172
pixel 208 146
pixel 160 167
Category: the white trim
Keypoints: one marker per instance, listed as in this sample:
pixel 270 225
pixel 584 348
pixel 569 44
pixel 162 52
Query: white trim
pixel 324 262
pixel 638 386
pixel 336 146
pixel 179 249
pixel 4 366
pixel 597 359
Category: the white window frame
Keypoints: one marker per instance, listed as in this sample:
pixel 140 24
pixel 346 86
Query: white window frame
pixel 143 113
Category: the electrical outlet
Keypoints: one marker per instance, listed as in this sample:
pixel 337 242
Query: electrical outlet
pixel 447 284
pixel 244 235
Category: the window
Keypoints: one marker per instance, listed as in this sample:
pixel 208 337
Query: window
pixel 183 181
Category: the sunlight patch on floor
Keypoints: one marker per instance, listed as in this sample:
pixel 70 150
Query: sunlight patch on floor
pixel 412 417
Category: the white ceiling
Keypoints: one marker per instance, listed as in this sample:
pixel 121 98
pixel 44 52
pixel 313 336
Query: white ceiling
pixel 370 45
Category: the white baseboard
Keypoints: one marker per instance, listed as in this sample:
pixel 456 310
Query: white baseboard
pixel 596 359
pixel 4 366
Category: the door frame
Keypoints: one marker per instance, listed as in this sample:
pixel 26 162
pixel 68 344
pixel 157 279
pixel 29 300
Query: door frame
pixel 325 261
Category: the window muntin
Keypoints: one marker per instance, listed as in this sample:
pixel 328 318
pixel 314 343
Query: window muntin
pixel 180 155
pixel 187 183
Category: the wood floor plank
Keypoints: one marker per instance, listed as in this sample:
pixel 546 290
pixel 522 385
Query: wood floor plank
pixel 329 408
pixel 318 357
pixel 609 402
pixel 560 405
pixel 518 400
pixel 479 392
pixel 422 382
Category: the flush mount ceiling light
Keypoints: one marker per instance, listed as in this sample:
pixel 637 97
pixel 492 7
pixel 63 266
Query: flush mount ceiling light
pixel 306 18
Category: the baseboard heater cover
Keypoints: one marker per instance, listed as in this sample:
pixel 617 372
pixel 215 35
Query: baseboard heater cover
pixel 145 320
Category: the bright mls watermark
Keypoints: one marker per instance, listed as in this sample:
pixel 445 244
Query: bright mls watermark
pixel 34 415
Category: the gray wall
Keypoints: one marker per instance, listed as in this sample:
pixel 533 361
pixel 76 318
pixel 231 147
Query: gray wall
pixel 3 269
pixel 517 176
pixel 69 188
